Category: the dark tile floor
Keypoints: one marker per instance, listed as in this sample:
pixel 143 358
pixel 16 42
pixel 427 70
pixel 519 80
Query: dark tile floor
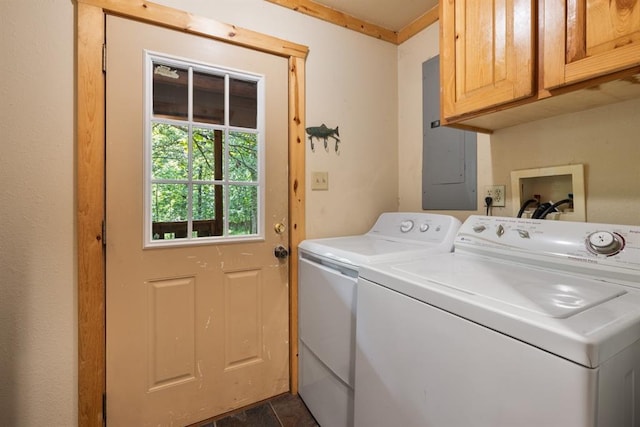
pixel 285 410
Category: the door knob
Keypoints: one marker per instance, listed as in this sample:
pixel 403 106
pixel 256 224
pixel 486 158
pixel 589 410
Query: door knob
pixel 281 252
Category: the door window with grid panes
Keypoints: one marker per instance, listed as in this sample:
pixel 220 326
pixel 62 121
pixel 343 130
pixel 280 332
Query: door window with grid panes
pixel 204 153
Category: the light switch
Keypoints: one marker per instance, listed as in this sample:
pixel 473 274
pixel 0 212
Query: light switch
pixel 319 181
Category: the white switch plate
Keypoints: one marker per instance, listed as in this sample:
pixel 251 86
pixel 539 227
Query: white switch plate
pixel 319 180
pixel 497 193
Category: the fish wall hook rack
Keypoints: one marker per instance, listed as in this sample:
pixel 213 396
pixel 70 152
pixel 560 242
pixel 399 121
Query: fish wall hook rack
pixel 323 132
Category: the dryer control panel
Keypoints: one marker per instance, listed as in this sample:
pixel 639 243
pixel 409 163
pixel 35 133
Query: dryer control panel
pixel 603 250
pixel 418 226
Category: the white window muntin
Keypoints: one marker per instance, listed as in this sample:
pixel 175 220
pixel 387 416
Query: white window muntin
pixel 149 120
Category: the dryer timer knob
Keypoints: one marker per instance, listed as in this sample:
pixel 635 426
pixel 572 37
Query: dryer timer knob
pixel 605 243
pixel 406 226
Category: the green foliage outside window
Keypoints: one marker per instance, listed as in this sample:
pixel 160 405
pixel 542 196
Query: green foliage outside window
pixel 171 176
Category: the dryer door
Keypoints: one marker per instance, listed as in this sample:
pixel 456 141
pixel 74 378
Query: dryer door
pixel 327 316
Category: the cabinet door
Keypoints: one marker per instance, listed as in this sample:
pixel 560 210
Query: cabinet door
pixel 585 39
pixel 486 54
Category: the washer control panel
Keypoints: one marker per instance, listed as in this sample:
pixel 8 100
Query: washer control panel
pixel 581 245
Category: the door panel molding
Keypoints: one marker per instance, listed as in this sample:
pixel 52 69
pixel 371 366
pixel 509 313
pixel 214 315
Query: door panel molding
pixel 90 170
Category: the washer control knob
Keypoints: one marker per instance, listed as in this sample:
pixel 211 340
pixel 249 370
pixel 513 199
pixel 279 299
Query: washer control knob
pixel 424 227
pixel 479 228
pixel 605 243
pixel 500 230
pixel 406 226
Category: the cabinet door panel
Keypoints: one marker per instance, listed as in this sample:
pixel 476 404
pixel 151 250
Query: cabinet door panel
pixel 487 54
pixel 597 38
pixel 611 24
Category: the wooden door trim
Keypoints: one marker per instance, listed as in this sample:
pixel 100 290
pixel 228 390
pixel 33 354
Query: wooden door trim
pixel 90 170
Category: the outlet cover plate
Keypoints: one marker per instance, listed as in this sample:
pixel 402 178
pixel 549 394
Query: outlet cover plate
pixel 497 193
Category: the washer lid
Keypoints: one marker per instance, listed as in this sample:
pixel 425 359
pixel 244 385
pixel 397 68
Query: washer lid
pixel 543 292
pixel 578 318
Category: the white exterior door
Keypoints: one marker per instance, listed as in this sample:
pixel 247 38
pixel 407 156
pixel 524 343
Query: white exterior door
pixel 196 313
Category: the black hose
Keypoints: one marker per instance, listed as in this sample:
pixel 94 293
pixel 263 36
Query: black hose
pixel 553 207
pixel 524 206
pixel 540 209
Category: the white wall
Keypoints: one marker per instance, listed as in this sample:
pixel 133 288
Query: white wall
pixel 411 54
pixel 38 342
pixel 604 139
pixel 351 84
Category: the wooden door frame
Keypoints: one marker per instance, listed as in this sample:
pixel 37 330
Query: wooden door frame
pixel 90 172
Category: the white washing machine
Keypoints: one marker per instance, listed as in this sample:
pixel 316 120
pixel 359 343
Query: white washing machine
pixel 328 271
pixel 527 323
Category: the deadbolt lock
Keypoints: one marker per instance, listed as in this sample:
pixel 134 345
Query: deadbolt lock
pixel 279 228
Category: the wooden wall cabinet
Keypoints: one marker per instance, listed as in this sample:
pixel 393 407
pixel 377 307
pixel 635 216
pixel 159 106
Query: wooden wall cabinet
pixel 506 62
pixel 487 54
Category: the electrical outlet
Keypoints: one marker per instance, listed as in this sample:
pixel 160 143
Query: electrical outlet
pixel 497 193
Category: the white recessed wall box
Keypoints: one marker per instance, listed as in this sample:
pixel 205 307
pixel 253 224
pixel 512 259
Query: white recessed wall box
pixel 551 185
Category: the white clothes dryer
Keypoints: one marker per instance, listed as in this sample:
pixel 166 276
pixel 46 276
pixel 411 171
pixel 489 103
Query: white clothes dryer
pixel 327 277
pixel 527 323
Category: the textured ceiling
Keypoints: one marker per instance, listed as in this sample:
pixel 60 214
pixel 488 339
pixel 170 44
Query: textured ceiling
pixel 390 14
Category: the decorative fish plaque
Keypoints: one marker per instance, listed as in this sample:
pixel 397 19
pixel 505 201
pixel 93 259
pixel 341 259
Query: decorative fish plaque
pixel 324 133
